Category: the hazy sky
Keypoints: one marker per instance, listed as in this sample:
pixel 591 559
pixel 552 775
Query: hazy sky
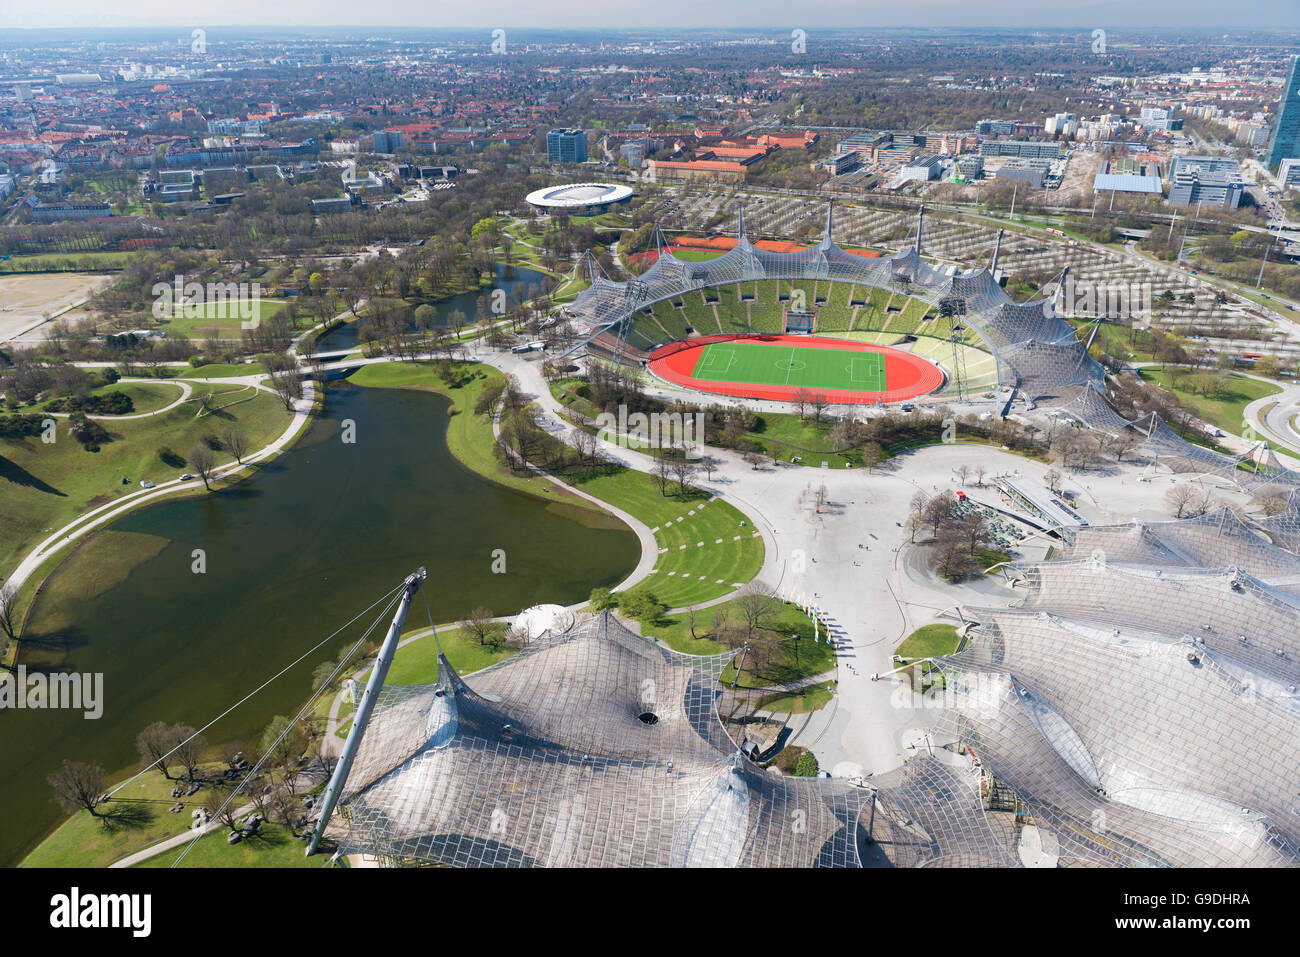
pixel 1112 15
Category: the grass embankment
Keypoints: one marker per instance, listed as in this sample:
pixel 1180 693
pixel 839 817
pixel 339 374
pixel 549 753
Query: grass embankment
pixel 1224 399
pixel 139 817
pixel 706 547
pixel 49 485
pixel 271 846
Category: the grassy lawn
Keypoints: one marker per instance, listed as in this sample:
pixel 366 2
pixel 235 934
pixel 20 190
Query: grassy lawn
pixel 417 663
pixel 813 698
pixel 271 846
pixel 143 819
pixel 929 641
pixel 1224 410
pixel 792 660
pixel 48 485
pixel 223 320
pixel 988 557
pixel 220 370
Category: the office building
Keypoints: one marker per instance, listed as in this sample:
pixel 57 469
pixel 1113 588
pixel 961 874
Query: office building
pixel 566 146
pixel 1285 141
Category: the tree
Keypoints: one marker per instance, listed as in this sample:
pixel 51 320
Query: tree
pixel 201 462
pixel 684 471
pixel 236 440
pixel 806 766
pixel 710 465
pixel 8 611
pixel 189 747
pixel 286 384
pixel 663 471
pixel 478 623
pixel 78 787
pixel 818 403
pixel 801 398
pixel 974 529
pixel 602 599
pixel 218 807
pixel 282 744
pixel 757 605
pixel 153 744
pixel 643 605
pixel 938 510
pixel 1053 479
pixel 1179 499
pixel 323 674
pixel 951 556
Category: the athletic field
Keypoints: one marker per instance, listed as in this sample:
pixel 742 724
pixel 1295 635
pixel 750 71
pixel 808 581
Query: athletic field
pixel 800 368
pixel 778 367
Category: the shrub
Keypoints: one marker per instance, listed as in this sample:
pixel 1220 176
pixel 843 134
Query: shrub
pixel 807 766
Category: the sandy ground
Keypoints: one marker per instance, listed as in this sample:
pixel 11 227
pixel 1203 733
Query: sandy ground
pixel 28 301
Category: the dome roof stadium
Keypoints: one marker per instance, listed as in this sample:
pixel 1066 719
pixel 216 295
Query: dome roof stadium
pixel 579 195
pixel 1135 701
pixel 600 748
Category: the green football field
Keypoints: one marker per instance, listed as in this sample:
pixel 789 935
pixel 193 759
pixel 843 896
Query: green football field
pixel 794 366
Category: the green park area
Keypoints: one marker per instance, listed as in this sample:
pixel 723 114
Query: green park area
pixel 223 320
pixel 48 484
pixel 1220 398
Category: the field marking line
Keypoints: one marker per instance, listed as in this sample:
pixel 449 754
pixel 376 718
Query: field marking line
pixel 791 368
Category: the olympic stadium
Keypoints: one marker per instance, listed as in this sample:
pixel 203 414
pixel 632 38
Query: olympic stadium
pixel 922 331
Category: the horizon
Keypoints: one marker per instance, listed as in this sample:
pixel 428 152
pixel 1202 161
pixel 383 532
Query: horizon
pixel 1019 15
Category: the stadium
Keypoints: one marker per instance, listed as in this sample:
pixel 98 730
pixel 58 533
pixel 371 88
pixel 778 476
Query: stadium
pixel 579 199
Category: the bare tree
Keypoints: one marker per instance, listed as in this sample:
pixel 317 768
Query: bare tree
pixel 78 787
pixel 818 403
pixel 801 398
pixel 757 606
pixel 1053 479
pixel 201 462
pixel 963 474
pixel 710 465
pixel 286 384
pixel 1179 499
pixel 237 441
pixel 8 611
pixel 153 744
pixel 684 472
pixel 478 623
pixel 218 808
pixel 189 746
pixel 663 471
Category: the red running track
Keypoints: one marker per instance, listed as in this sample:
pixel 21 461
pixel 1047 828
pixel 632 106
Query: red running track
pixel 906 376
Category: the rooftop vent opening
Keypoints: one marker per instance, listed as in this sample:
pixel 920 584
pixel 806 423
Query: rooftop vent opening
pixel 648 717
